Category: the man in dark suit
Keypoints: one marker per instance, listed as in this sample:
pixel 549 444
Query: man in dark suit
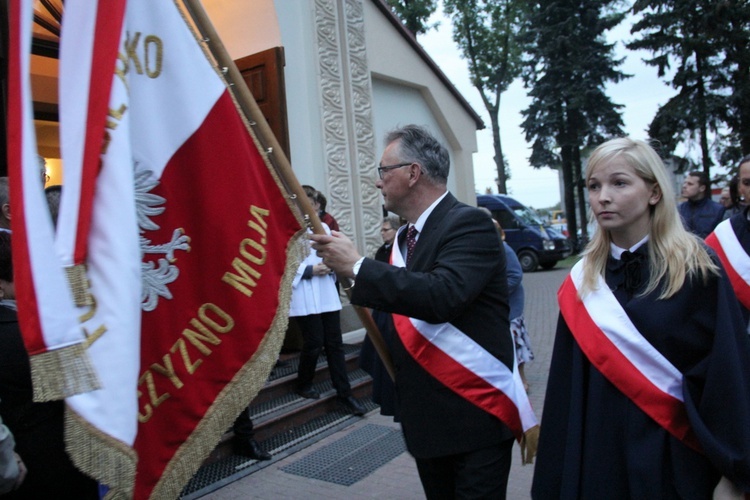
pixel 453 279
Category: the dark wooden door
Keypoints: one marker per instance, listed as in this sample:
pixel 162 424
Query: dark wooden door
pixel 264 76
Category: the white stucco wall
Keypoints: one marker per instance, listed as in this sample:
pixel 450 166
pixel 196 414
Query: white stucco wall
pixel 396 105
pixel 404 88
pixel 394 63
pixel 246 26
pixel 302 94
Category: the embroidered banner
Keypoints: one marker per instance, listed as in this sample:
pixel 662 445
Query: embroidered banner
pixel 215 232
pixel 60 365
pixel 186 252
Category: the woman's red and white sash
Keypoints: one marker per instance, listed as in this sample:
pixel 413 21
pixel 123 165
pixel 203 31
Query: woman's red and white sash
pixel 735 259
pixel 613 344
pixel 465 367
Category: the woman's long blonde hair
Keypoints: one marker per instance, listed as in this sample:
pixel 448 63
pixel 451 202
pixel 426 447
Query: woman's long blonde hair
pixel 674 253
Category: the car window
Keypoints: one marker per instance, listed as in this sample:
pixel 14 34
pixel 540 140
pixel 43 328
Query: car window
pixel 528 216
pixel 505 218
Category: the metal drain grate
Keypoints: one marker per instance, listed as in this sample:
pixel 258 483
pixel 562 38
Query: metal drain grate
pixel 352 457
pixel 213 476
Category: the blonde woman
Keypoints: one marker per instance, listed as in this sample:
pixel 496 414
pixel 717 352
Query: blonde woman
pixel 649 385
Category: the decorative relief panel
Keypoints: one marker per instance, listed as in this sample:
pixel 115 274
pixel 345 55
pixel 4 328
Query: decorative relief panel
pixel 362 127
pixel 347 121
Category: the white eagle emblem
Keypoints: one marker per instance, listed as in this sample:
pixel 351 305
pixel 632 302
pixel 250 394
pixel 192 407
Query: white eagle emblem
pixel 155 279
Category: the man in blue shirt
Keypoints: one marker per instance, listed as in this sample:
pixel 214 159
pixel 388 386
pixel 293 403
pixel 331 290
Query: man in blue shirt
pixel 700 214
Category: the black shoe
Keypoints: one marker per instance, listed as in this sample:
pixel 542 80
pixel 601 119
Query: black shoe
pixel 352 405
pixel 281 363
pixel 308 393
pixel 250 448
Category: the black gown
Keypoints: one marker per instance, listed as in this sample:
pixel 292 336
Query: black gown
pixel 36 427
pixel 596 443
pixel 741 226
pixel 383 387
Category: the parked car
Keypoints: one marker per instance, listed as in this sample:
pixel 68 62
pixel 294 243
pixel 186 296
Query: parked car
pixel 561 227
pixel 535 242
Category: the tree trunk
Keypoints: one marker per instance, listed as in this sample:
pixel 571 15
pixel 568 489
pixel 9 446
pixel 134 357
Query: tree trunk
pixel 580 184
pixel 502 187
pixel 570 204
pixel 742 83
pixel 702 119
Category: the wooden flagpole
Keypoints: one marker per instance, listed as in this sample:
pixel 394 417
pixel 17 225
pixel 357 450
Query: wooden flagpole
pixel 277 156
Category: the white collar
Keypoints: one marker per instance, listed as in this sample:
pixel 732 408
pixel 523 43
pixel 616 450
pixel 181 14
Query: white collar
pixel 423 218
pixel 617 252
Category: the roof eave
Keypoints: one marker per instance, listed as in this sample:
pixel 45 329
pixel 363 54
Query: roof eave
pixel 411 39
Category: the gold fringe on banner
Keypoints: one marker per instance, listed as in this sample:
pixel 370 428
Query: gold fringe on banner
pixel 100 456
pixel 62 372
pixel 529 445
pixel 235 396
pixel 79 285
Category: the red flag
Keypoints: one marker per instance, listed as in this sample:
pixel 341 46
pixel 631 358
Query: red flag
pixel 211 308
pixel 60 365
pixel 215 230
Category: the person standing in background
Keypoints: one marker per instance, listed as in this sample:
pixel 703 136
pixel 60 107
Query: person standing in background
pixel 12 468
pixel 388 232
pixel 700 214
pixel 244 443
pixel 383 389
pixel 316 307
pixel 731 240
pixel 4 204
pixel 38 427
pixel 521 337
pixel 325 217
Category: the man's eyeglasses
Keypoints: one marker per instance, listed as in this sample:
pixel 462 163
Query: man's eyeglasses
pixel 386 168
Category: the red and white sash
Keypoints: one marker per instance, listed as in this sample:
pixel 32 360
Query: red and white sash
pixel 611 342
pixel 735 259
pixel 465 367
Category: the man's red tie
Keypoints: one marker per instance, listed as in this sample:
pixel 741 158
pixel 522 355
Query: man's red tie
pixel 411 242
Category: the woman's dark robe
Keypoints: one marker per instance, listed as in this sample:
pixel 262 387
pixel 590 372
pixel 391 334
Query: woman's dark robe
pixel 596 443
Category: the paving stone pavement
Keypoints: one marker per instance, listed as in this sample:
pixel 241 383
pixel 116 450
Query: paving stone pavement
pixel 398 478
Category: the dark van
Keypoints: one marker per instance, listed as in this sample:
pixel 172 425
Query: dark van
pixel 535 242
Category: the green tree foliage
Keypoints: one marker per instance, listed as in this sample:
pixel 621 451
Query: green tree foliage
pixel 707 42
pixel 568 64
pixel 487 33
pixel 414 14
pixel 733 21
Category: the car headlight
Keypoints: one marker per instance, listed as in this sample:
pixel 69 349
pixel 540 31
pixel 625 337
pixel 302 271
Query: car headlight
pixel 549 245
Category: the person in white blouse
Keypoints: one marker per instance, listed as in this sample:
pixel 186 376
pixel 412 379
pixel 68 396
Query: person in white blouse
pixel 316 307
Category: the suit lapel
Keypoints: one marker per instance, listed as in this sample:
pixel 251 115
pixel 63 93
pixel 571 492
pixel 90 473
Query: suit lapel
pixel 430 232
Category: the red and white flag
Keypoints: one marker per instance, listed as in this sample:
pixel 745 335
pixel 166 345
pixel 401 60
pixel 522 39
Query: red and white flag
pixel 97 233
pixel 216 232
pixel 185 234
pixel 60 365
